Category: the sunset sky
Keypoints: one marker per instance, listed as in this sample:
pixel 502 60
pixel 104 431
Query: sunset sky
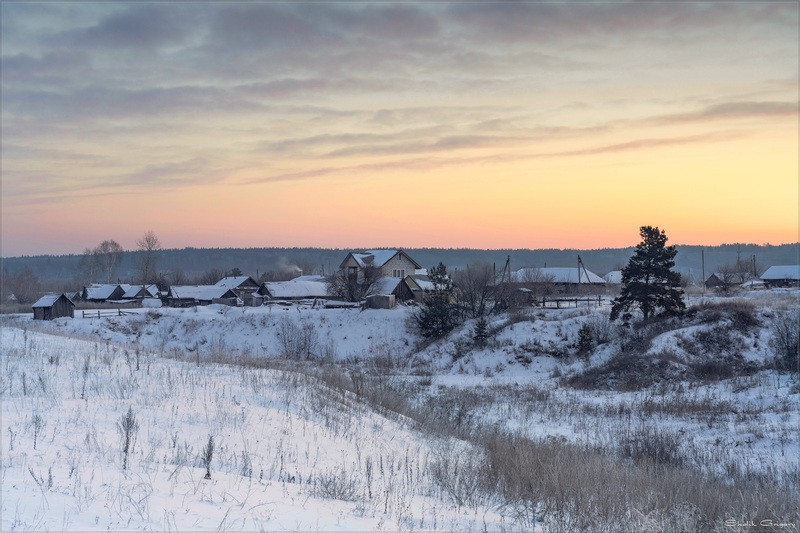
pixel 482 125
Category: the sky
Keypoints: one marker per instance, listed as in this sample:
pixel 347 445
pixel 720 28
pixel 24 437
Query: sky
pixel 478 125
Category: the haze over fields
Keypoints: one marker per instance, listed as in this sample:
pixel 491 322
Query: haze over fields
pixel 449 125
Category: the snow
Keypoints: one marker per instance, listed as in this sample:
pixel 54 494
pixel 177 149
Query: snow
pixel 133 290
pixel 384 285
pixel 299 287
pixel 294 430
pixel 277 439
pixel 782 272
pixel 615 276
pixel 556 275
pixel 376 258
pixel 198 292
pixel 102 291
pixel 231 282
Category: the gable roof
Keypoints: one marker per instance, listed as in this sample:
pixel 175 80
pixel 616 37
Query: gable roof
pixel 200 292
pixel 780 272
pixel 103 291
pixel 384 285
pixel 376 258
pixel 134 290
pixel 232 282
pixel 571 275
pixel 49 299
pixel 419 282
pixel 615 276
pixel 299 287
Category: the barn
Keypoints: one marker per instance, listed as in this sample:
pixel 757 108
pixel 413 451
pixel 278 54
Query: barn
pixel 782 276
pixel 52 306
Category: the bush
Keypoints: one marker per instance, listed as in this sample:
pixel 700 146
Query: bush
pixel 296 341
pixel 337 485
pixel 785 331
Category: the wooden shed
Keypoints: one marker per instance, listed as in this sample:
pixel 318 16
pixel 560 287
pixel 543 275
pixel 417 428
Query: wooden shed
pixel 52 306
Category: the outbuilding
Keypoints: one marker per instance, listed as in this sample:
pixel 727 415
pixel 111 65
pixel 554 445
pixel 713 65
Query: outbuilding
pixel 52 306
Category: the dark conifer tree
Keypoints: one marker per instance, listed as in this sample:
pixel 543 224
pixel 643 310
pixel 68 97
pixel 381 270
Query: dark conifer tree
pixel 481 331
pixel 648 281
pixel 438 315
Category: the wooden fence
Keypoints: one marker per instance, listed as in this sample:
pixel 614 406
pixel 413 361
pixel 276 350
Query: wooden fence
pixel 101 313
pixel 559 303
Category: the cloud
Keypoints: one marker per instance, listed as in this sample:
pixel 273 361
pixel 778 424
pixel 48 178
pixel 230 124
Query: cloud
pixel 729 111
pixel 646 144
pixel 143 26
pixel 429 163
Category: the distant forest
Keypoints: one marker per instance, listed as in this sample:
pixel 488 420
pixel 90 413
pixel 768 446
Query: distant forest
pixel 191 264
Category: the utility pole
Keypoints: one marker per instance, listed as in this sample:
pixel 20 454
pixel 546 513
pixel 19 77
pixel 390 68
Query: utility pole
pixel 703 267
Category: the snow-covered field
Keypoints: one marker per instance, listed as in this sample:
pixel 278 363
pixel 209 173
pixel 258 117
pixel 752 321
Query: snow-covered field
pixel 298 452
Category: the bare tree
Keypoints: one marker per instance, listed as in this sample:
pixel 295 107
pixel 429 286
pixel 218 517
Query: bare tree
pixel 148 245
pixel 87 266
pixel 353 286
pixel 476 288
pixel 108 256
pixel 25 286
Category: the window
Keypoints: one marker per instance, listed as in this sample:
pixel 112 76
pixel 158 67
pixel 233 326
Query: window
pixel 398 273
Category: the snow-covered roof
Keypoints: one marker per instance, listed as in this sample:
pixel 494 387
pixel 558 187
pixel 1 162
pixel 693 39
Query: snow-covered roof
pixel 422 281
pixel 556 275
pixel 752 283
pixel 197 292
pixel 133 290
pixel 103 291
pixel 49 299
pixel 781 272
pixel 384 285
pixel 299 287
pixel 377 258
pixel 615 276
pixel 231 282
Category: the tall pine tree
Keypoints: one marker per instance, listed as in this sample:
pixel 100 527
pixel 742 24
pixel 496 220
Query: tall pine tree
pixel 648 281
pixel 438 314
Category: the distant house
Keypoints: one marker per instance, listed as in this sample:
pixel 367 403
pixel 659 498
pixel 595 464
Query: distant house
pixel 238 283
pixel 717 280
pixel 101 292
pixel 299 288
pixel 418 284
pixel 389 263
pixel 191 295
pixel 782 276
pixel 137 292
pixel 557 275
pixel 385 286
pixel 614 277
pixel 245 288
pixel 52 306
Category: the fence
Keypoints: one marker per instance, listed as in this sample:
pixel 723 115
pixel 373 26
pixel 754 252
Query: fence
pixel 101 313
pixel 545 302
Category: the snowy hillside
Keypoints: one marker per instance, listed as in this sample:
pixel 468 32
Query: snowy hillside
pixel 340 419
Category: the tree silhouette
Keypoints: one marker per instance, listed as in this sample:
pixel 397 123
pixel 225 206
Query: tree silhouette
pixel 648 281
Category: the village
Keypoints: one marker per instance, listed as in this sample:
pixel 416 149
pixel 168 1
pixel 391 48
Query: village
pixel 382 279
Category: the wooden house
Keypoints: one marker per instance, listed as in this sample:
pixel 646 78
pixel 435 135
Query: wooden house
pixel 782 276
pixel 101 292
pixel 138 292
pixel 52 306
pixel 389 263
pixel 192 295
pixel 299 288
pixel 395 287
pixel 245 288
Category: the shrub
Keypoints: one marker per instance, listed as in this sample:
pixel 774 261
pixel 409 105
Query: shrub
pixel 337 485
pixel 296 341
pixel 785 331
